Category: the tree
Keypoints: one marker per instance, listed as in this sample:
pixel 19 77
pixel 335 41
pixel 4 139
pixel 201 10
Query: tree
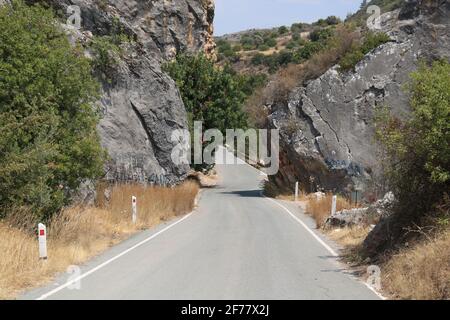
pixel 417 150
pixel 48 138
pixel 210 94
pixel 282 30
pixel 333 20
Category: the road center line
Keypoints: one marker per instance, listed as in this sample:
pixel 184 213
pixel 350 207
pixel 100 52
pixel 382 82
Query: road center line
pixel 104 264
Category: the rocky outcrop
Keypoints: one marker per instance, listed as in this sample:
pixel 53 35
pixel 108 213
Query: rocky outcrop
pixel 363 216
pixel 141 105
pixel 332 145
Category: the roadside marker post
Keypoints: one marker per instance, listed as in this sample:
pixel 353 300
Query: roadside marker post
pixel 333 205
pixel 296 191
pixel 134 209
pixel 42 232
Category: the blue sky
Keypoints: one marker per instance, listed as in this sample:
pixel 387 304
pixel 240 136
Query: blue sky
pixel 238 15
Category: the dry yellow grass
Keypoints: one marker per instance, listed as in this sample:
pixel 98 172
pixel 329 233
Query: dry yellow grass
pixel 78 234
pixel 418 272
pixel 421 272
pixel 349 237
pixel 320 208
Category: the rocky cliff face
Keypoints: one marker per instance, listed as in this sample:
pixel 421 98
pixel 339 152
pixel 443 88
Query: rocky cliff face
pixel 332 145
pixel 141 105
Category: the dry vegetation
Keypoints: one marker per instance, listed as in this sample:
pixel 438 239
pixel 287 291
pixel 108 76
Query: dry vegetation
pixel 78 234
pixel 285 80
pixel 420 272
pixel 320 207
pixel 350 237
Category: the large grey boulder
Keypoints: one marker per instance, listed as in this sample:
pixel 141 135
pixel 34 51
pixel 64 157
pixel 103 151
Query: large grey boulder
pixel 332 144
pixel 140 104
pixel 371 215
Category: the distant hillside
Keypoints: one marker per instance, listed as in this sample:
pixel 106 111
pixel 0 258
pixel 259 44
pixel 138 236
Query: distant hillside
pixel 266 50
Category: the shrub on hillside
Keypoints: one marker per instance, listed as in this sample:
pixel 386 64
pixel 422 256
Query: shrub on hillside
pixel 321 34
pixel 258 59
pixel 371 41
pixel 308 50
pixel 417 150
pixel 297 27
pixel 226 51
pixel 263 47
pixel 333 20
pixel 283 30
pixel 107 49
pixel 48 139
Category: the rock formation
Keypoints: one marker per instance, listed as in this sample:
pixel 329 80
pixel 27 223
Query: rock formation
pixel 141 105
pixel 332 145
pixel 363 216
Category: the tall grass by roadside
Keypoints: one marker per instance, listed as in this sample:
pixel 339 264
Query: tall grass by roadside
pixel 79 233
pixel 320 207
pixel 420 272
pixel 350 238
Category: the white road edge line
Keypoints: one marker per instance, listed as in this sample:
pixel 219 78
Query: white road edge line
pixel 379 295
pixel 68 283
pixel 329 249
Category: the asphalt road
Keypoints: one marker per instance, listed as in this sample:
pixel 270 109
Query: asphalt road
pixel 236 245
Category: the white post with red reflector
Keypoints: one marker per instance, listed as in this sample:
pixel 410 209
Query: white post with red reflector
pixel 134 209
pixel 296 191
pixel 42 232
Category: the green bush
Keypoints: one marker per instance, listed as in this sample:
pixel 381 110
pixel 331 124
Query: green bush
pixel 320 22
pixel 284 57
pixel 349 61
pixel 249 43
pixel 211 94
pixel 106 56
pixel 107 50
pixel 283 30
pixel 258 59
pixel 417 150
pixel 333 20
pixel 263 47
pixel 270 42
pixel 321 34
pixel 48 139
pixel 371 41
pixel 291 45
pixel 237 48
pixel 308 50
